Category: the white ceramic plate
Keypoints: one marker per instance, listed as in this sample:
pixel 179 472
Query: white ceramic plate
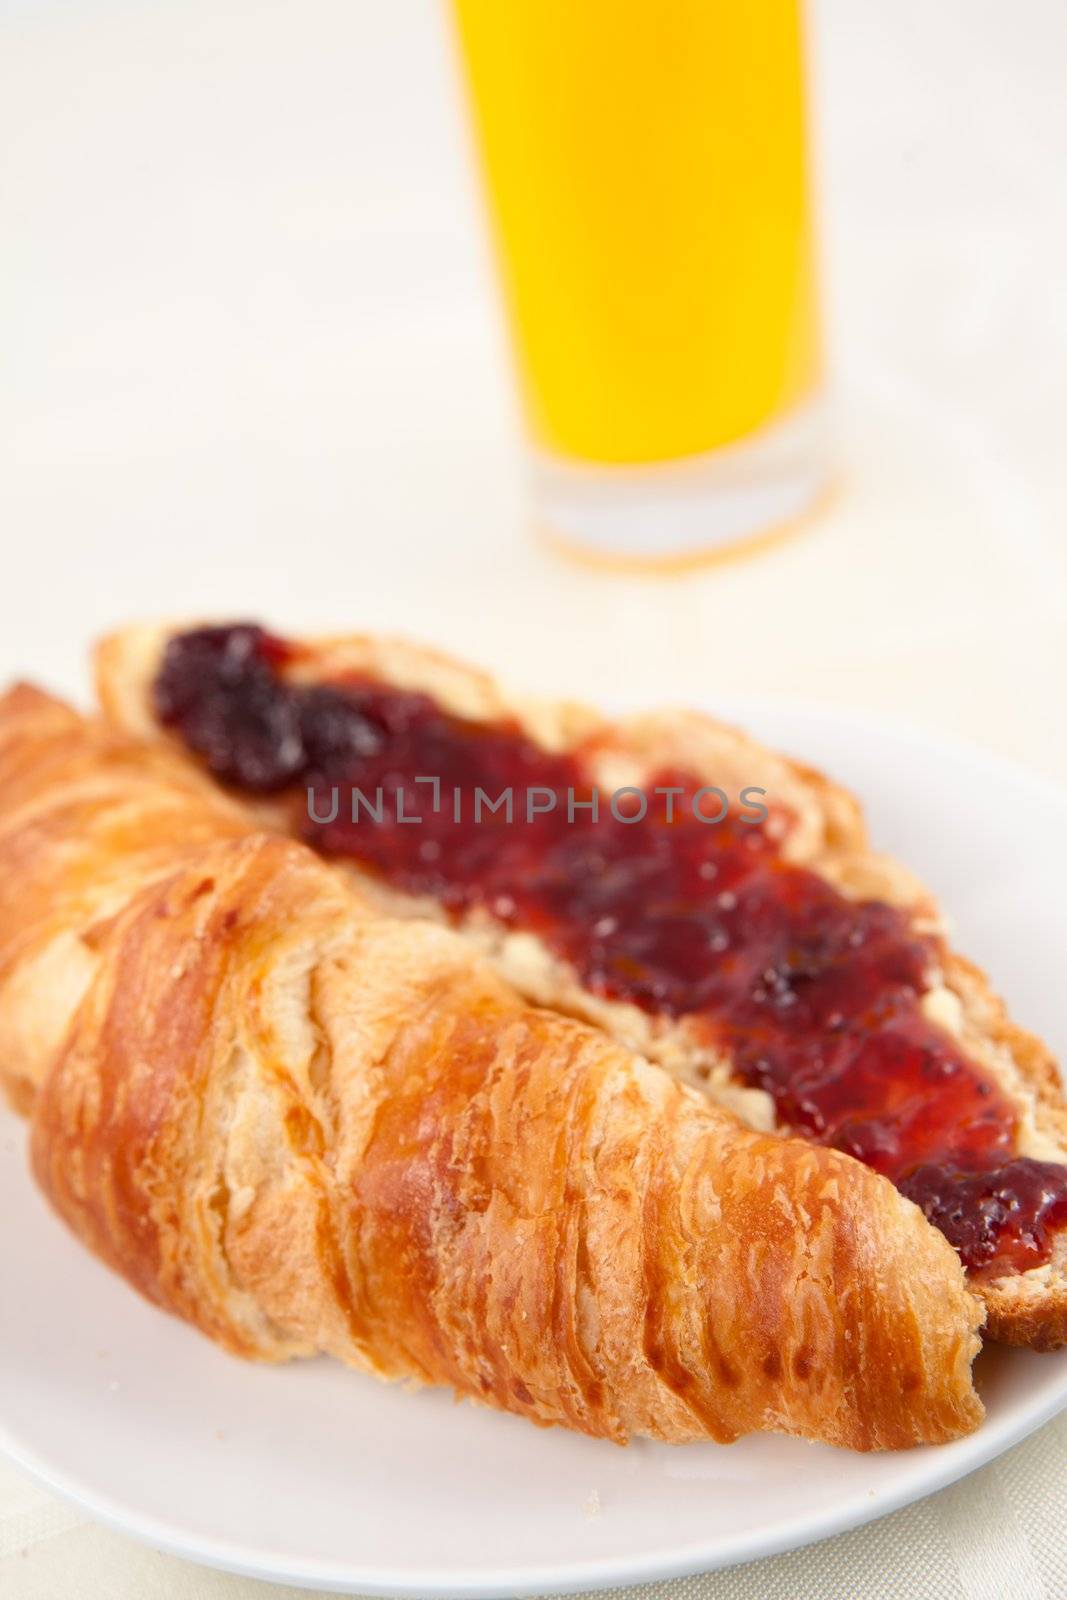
pixel 313 1475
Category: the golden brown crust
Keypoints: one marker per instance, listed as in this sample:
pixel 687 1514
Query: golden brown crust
pixel 1030 1308
pixel 304 1127
pixel 84 824
pixel 828 836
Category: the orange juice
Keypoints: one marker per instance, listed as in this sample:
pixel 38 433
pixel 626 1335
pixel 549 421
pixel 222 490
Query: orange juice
pixel 646 163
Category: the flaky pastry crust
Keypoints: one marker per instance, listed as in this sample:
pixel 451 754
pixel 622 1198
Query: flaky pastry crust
pixel 305 1127
pixel 828 836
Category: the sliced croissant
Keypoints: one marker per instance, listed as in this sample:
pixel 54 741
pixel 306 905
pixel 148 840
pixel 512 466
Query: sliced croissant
pixel 305 1127
pixel 826 836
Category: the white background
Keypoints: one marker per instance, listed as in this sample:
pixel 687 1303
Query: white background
pixel 252 362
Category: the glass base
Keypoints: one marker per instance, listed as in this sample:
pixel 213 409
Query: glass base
pixel 697 506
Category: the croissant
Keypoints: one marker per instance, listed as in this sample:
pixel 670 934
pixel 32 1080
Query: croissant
pixel 306 1127
pixel 818 996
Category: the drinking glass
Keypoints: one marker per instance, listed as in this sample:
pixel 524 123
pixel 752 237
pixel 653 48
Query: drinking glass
pixel 646 163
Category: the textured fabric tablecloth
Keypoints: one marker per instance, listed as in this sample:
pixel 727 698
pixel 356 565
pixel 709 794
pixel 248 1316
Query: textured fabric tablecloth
pixel 998 1535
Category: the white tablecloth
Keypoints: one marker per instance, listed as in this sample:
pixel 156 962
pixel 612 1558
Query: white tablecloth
pixel 249 368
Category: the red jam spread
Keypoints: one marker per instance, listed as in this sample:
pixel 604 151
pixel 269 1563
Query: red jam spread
pixel 653 902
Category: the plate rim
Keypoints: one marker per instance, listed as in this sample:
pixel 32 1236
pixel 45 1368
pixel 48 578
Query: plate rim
pixel 940 1466
pixel 959 1459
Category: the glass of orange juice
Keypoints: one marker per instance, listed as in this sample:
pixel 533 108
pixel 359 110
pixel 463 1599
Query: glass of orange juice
pixel 646 162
